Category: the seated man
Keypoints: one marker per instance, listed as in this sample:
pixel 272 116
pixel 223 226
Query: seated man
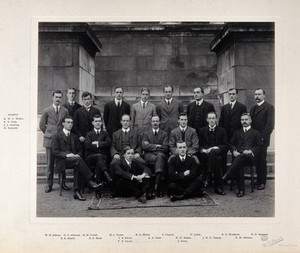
pixel 155 144
pixel 126 137
pixel 246 145
pixel 213 148
pixel 186 134
pixel 67 151
pixel 130 177
pixel 183 175
pixel 97 144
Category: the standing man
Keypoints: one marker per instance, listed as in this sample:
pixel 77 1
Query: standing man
pixel 197 111
pixel 83 117
pixel 113 111
pixel 230 117
pixel 155 143
pixel 71 105
pixel 142 112
pixel 262 115
pixel 67 150
pixel 183 175
pixel 246 145
pixel 130 177
pixel 213 147
pixel 186 134
pixel 168 110
pixel 97 145
pixel 50 124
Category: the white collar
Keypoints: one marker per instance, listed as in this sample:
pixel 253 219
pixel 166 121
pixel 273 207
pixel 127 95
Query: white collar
pixel 144 102
pixel 54 106
pixel 171 99
pixel 126 130
pixel 212 127
pixel 246 128
pixel 66 132
pixel 118 101
pixel 87 108
pixel 71 102
pixel 96 130
pixel 232 103
pixel 260 103
pixel 128 163
pixel 182 129
pixel 155 130
pixel 199 102
pixel 182 157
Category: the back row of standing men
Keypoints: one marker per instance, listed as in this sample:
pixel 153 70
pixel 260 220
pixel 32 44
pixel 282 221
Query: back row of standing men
pixel 171 113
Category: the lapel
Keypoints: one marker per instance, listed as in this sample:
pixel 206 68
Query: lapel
pixel 234 108
pixel 259 108
pixel 63 136
pixel 248 134
pixel 125 165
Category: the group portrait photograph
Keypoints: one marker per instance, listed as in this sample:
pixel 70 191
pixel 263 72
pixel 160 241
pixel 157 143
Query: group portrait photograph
pixel 155 119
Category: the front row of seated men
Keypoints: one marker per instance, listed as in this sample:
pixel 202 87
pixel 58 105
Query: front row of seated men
pixel 131 174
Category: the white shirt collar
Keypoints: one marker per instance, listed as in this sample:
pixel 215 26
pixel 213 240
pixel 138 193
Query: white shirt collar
pixel 246 128
pixel 128 163
pixel 87 108
pixel 233 103
pixel 171 99
pixel 125 130
pixel 212 127
pixel 96 130
pixel 199 102
pixel 54 106
pixel 144 102
pixel 66 132
pixel 260 103
pixel 182 157
pixel 182 129
pixel 118 101
pixel 71 102
pixel 155 130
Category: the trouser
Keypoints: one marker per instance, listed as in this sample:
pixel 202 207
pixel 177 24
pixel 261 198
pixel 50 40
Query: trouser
pixel 186 187
pixel 126 187
pixel 99 160
pixel 261 169
pixel 50 167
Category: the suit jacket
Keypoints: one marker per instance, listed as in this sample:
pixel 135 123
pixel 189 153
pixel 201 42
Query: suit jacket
pixel 161 138
pixel 205 108
pixel 117 147
pixel 51 123
pixel 263 120
pixel 122 170
pixel 191 140
pixel 252 138
pixel 230 119
pixel 177 168
pixel 71 108
pixel 221 139
pixel 141 118
pixel 112 115
pixel 61 147
pixel 83 120
pixel 169 114
pixel 104 142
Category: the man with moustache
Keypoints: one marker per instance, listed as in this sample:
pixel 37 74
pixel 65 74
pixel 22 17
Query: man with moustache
pixel 183 175
pixel 71 105
pixel 50 124
pixel 97 145
pixel 113 111
pixel 262 115
pixel 168 110
pixel 213 146
pixel 67 151
pixel 246 145
pixel 155 143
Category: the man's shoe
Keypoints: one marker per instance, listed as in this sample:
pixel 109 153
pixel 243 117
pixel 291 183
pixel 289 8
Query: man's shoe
pixel 240 193
pixel 219 191
pixel 48 188
pixel 93 184
pixel 65 187
pixel 261 187
pixel 176 197
pixel 205 184
pixel 107 177
pixel 98 195
pixel 150 196
pixel 142 199
pixel 78 196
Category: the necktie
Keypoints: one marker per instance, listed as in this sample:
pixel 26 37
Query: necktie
pixel 56 109
pixel 119 105
pixel 169 102
pixel 143 105
pixel 231 105
pixel 155 132
pixel 211 129
pixel 182 160
pixel 125 132
pixel 68 137
pixel 98 132
pixel 183 135
pixel 245 130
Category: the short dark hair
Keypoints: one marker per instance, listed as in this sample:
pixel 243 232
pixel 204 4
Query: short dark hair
pixel 180 142
pixel 202 91
pixel 212 112
pixel 57 92
pixel 71 89
pixel 246 114
pixel 97 116
pixel 127 148
pixel 86 94
pixel 67 117
pixel 168 86
pixel 126 115
pixel 118 87
pixel 236 91
pixel 145 89
pixel 182 114
pixel 264 92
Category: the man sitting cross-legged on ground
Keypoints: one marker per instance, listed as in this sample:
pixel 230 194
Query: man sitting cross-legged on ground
pixel 97 145
pixel 67 151
pixel 185 182
pixel 130 177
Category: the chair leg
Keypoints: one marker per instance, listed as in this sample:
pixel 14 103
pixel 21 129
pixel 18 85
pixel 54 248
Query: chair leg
pixel 252 169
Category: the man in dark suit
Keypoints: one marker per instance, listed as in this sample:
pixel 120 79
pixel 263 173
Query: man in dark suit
pixel 262 115
pixel 168 110
pixel 213 146
pixel 83 117
pixel 197 111
pixel 246 145
pixel 67 151
pixel 124 137
pixel 186 134
pixel 71 105
pixel 183 175
pixel 97 145
pixel 50 124
pixel 130 177
pixel 155 143
pixel 113 111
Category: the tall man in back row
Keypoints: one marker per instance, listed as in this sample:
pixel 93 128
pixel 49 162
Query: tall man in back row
pixel 71 105
pixel 262 115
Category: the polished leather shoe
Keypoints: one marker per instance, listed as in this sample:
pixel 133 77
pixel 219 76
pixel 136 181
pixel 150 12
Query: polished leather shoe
pixel 65 187
pixel 176 197
pixel 205 184
pixel 93 184
pixel 142 199
pixel 78 196
pixel 48 188
pixel 261 187
pixel 240 193
pixel 219 191
pixel 107 177
pixel 98 195
pixel 150 196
